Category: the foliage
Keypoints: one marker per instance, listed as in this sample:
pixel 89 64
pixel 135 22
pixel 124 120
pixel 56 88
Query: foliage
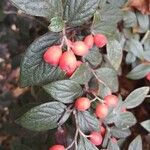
pixel 128 36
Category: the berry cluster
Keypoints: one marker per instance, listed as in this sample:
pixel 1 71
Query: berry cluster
pixel 84 103
pixel 101 112
pixel 67 60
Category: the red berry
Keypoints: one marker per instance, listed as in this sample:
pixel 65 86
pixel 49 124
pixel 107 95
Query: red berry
pixel 148 77
pixel 102 130
pixel 96 138
pixel 89 41
pixel 52 55
pixel 101 111
pixel 100 40
pixel 80 49
pixel 79 63
pixel 57 147
pixel 68 62
pixel 82 104
pixel 111 100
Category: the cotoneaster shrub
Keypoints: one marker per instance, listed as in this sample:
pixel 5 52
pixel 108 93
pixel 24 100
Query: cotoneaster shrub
pixel 78 63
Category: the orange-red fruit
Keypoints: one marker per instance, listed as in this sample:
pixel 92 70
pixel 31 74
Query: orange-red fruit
pixel 79 63
pixel 102 130
pixel 57 147
pixel 68 62
pixel 148 77
pixel 52 55
pixel 89 41
pixel 101 111
pixel 111 100
pixel 80 49
pixel 82 104
pixel 96 138
pixel 100 40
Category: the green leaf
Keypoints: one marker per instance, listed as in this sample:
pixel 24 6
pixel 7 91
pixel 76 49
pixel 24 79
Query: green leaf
pixel 65 91
pixel 34 71
pixel 113 145
pixel 118 133
pixel 147 55
pixel 136 144
pixel 94 57
pixel 109 77
pixel 118 3
pixel 78 12
pixel 82 75
pixel 146 125
pixel 85 144
pixel 129 19
pixel 114 53
pixel 125 120
pixel 42 117
pixel 130 58
pixel 44 8
pixel 111 13
pixel 57 24
pixel 102 26
pixel 136 97
pixel 104 90
pixel 139 72
pixel 88 122
pixel 135 47
pixel 143 21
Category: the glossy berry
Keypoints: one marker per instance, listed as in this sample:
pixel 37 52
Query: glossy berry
pixel 111 100
pixel 82 104
pixel 52 55
pixel 101 111
pixel 148 77
pixel 80 49
pixel 68 62
pixel 89 41
pixel 100 40
pixel 102 130
pixel 79 63
pixel 57 147
pixel 96 138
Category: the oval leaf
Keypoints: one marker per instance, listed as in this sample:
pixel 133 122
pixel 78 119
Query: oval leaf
pixel 139 72
pixel 87 122
pixel 57 24
pixel 34 71
pixel 109 77
pixel 82 75
pixel 44 8
pixel 125 120
pixel 118 133
pixel 79 11
pixel 146 125
pixel 114 53
pixel 65 91
pixel 136 144
pixel 42 117
pixel 136 97
pixel 94 57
